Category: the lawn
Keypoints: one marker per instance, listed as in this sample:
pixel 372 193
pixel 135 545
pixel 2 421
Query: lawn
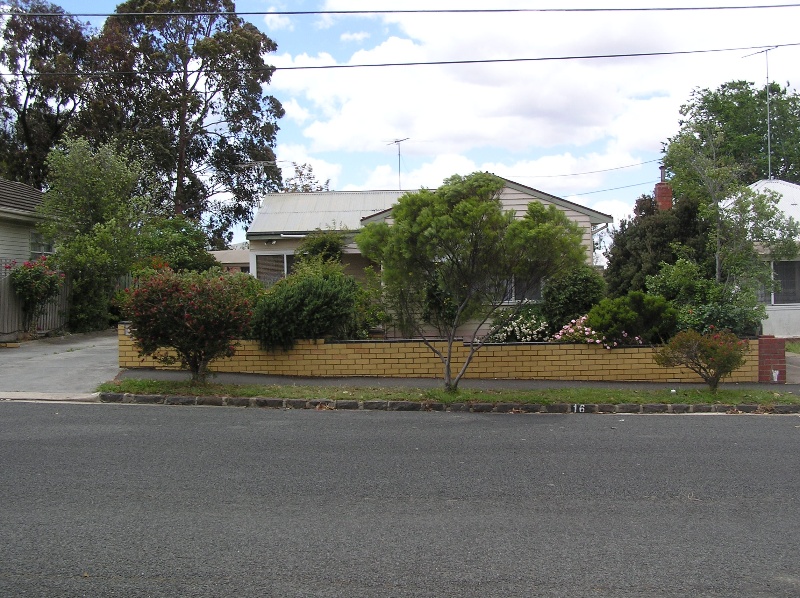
pixel 585 395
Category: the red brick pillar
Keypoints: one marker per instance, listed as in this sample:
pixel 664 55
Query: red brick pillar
pixel 771 358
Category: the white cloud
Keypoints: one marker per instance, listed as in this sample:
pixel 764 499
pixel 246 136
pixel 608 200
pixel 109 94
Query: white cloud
pixel 295 112
pixel 278 22
pixel 523 120
pixel 359 36
pixel 323 170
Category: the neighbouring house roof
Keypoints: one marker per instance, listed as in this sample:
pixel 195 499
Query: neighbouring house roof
pixel 789 202
pixel 232 257
pixel 18 201
pixel 289 214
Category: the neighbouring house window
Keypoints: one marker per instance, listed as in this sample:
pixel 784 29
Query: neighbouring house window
pixel 517 293
pixel 271 268
pixel 788 275
pixel 39 246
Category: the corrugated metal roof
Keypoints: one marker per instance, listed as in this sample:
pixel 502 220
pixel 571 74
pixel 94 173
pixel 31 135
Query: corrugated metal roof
pixel 789 202
pixel 232 256
pixel 18 196
pixel 301 213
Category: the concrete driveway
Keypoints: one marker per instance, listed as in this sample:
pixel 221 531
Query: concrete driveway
pixel 792 368
pixel 59 367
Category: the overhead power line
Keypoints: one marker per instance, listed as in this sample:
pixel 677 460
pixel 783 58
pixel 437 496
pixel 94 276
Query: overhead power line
pixel 555 176
pixel 612 189
pixel 398 64
pixel 541 59
pixel 410 11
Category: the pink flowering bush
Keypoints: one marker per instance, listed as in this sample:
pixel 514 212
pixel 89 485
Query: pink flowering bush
pixel 199 316
pixel 36 284
pixel 578 331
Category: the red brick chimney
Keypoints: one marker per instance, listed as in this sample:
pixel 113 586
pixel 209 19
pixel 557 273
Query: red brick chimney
pixel 663 193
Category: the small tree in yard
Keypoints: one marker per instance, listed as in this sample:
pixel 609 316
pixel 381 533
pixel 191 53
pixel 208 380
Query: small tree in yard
pixel 35 283
pixel 453 257
pixel 712 355
pixel 199 316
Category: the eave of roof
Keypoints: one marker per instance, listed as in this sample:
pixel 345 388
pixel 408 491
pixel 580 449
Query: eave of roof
pixel 595 217
pixel 19 215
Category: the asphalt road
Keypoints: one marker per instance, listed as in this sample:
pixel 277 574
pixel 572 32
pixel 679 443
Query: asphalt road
pixel 126 500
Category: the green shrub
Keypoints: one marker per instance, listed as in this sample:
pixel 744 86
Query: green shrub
pixel 324 244
pixel 703 304
pixel 315 301
pixel 198 315
pixel 650 318
pixel 525 325
pixel 712 355
pixel 570 295
pixel 36 284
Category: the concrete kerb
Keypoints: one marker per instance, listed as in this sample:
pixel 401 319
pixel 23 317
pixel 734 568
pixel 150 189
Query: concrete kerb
pixel 473 407
pixel 50 397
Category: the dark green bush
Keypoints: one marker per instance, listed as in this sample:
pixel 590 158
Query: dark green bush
pixel 704 304
pixel 633 319
pixel 570 295
pixel 317 300
pixel 199 316
pixel 712 355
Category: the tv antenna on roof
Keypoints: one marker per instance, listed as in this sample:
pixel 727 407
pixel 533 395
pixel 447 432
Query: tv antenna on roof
pixel 769 126
pixel 397 142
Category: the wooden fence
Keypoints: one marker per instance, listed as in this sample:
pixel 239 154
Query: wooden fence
pixel 54 318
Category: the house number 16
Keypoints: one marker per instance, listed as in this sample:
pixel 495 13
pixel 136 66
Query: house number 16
pixel 579 409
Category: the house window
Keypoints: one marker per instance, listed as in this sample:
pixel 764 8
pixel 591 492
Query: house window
pixel 39 246
pixel 788 275
pixel 523 293
pixel 271 268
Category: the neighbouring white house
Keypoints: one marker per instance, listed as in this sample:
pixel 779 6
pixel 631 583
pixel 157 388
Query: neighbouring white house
pixel 284 219
pixel 783 305
pixel 19 240
pixel 233 260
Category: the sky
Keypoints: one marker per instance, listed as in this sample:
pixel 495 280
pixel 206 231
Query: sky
pixel 587 130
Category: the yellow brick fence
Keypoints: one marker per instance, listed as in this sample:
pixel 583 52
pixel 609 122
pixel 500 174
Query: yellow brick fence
pixel 412 359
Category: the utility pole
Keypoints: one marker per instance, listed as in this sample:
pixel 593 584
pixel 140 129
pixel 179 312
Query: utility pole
pixel 397 142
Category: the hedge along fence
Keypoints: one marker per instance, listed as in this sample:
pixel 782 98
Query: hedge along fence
pixel 412 359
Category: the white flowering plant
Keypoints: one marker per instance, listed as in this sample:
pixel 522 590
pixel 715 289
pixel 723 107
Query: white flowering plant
pixel 524 326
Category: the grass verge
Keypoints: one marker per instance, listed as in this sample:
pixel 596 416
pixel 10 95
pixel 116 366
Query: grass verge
pixel 585 396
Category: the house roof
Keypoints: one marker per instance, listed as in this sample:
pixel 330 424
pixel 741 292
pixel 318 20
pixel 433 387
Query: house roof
pixel 301 213
pixel 789 201
pixel 289 214
pixel 18 199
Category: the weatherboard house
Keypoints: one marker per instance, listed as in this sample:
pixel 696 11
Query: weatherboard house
pixel 285 219
pixel 783 304
pixel 19 240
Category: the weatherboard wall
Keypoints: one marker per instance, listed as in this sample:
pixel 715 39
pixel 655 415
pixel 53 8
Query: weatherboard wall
pixel 412 359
